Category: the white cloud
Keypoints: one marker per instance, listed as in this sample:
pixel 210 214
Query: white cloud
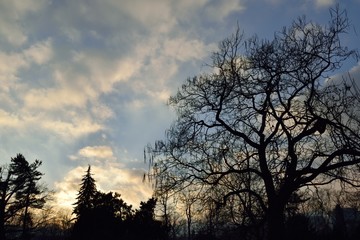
pixel 14 34
pixel 221 9
pixel 72 34
pixel 9 120
pixel 10 64
pixel 354 74
pixel 355 70
pixel 135 44
pixel 11 15
pixel 324 3
pixel 158 63
pixel 54 98
pixel 20 8
pixel 101 111
pixel 59 124
pixel 71 130
pixel 156 14
pixel 97 152
pixel 185 49
pixel 41 52
pixel 67 189
pixel 186 7
pixel 68 126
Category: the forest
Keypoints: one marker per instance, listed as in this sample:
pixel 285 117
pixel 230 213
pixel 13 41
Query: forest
pixel 266 146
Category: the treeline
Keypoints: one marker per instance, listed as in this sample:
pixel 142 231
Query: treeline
pixel 106 216
pixel 192 214
pixel 25 214
pixel 321 214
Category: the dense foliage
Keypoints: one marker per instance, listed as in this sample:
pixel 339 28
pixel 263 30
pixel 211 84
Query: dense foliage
pixel 86 195
pixel 106 216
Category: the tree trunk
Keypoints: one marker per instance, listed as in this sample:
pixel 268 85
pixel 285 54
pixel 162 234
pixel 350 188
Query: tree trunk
pixel 188 215
pixel 2 223
pixel 24 225
pixel 2 213
pixel 25 232
pixel 275 222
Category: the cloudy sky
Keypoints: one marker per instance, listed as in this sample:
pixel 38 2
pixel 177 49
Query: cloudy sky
pixel 86 81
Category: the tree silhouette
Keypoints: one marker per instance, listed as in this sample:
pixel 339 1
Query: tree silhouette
pixel 20 192
pixel 84 207
pixel 30 195
pixel 144 225
pixel 86 195
pixel 100 215
pixel 268 114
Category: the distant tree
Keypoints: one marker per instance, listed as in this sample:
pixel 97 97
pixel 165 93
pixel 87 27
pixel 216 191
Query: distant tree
pixel 146 211
pixel 113 204
pixel 20 192
pixel 54 223
pixel 144 225
pixel 99 215
pixel 189 200
pixel 270 114
pixel 167 212
pixel 86 195
pixel 110 215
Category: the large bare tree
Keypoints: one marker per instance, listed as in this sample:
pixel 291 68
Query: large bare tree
pixel 267 120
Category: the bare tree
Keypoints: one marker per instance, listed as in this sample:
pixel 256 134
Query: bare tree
pixel 189 198
pixel 270 115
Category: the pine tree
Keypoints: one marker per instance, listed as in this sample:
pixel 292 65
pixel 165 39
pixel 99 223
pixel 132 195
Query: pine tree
pixel 31 195
pixel 20 192
pixel 86 195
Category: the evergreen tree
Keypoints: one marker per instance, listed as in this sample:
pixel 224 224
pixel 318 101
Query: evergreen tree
pixel 20 192
pixel 86 195
pixel 31 194
pixel 144 219
pixel 99 215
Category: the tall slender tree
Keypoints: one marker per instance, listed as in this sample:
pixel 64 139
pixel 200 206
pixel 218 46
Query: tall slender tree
pixel 86 195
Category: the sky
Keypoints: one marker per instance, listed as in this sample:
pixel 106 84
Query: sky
pixel 86 82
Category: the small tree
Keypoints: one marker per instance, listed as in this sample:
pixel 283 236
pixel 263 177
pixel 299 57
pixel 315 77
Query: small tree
pixel 268 114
